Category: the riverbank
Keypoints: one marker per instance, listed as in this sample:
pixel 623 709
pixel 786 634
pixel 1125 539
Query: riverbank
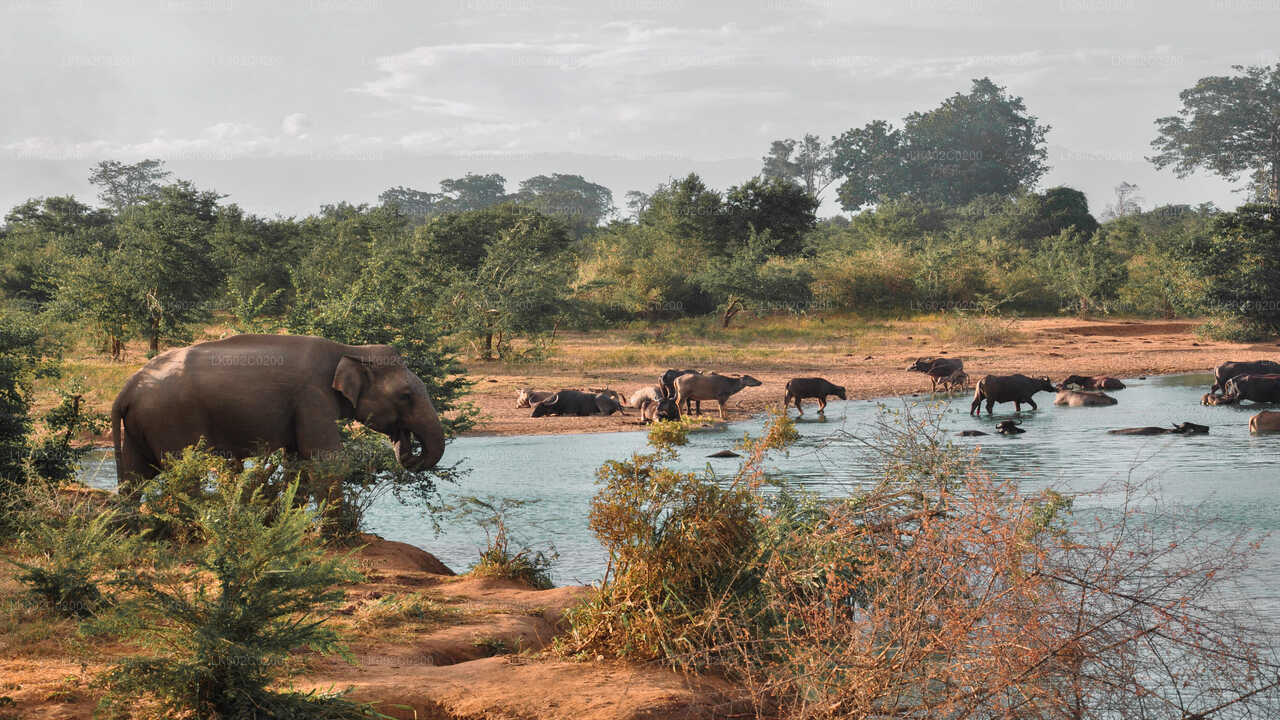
pixel 867 356
pixel 870 365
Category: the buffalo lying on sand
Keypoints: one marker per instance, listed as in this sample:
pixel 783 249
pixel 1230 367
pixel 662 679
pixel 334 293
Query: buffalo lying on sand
pixel 1228 370
pixel 1016 389
pixel 528 397
pixel 936 368
pixel 576 402
pixel 1185 428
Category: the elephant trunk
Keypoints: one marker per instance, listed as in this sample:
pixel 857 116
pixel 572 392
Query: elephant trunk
pixel 426 427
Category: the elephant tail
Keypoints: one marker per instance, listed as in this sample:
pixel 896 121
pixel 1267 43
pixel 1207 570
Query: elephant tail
pixel 118 410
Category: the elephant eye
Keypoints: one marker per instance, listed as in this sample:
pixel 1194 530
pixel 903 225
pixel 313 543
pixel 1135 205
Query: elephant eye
pixel 406 396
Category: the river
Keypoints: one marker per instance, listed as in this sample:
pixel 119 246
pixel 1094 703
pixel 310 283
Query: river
pixel 1230 473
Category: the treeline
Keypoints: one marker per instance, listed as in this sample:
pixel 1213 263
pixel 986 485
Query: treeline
pixel 947 218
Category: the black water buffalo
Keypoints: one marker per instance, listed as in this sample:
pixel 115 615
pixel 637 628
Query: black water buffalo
pixel 664 408
pixel 1255 388
pixel 1016 389
pixel 936 368
pixel 668 383
pixel 576 402
pixel 1228 370
pixel 1095 382
pixel 1184 428
pixel 1009 427
pixel 811 387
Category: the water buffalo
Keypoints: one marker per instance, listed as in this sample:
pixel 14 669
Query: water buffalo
pixel 1016 389
pixel 811 387
pixel 1184 428
pixel 936 368
pixel 664 408
pixel 668 379
pixel 576 402
pixel 1009 427
pixel 1265 421
pixel 613 394
pixel 1211 399
pixel 1255 388
pixel 958 379
pixel 711 387
pixel 1228 370
pixel 1079 398
pixel 528 397
pixel 1096 382
pixel 645 395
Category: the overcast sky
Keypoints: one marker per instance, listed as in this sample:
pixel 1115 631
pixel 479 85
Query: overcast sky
pixel 285 106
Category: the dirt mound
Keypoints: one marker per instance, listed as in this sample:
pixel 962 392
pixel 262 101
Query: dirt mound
pixel 391 556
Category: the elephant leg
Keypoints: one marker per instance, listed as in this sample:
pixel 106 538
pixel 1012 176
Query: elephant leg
pixel 318 438
pixel 135 466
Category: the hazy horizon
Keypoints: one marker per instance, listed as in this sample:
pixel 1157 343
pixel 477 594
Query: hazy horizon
pixel 292 105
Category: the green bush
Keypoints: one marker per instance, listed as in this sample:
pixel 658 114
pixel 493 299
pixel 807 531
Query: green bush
pixel 503 555
pixel 220 628
pixel 74 550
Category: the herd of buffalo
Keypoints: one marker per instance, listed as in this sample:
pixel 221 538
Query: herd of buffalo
pixel 682 391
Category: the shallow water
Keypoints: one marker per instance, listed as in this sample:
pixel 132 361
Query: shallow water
pixel 1231 472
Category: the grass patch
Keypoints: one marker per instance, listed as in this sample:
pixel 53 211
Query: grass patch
pixel 398 610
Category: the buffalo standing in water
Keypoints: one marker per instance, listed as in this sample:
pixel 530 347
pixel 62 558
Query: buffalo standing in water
pixel 801 388
pixel 1255 388
pixel 1016 389
pixel 1228 370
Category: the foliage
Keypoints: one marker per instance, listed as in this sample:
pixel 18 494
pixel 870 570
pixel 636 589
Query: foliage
pixel 579 203
pixel 747 280
pixel 982 143
pixel 806 162
pixel 219 629
pixel 54 458
pixel 1240 262
pixel 127 184
pixel 1227 124
pixel 936 592
pixel 503 555
pixel 1086 273
pixel 73 553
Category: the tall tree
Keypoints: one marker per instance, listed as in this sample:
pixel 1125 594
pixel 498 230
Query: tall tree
pixel 473 192
pixel 1229 124
pixel 581 203
pixel 783 209
pixel 980 143
pixel 127 184
pixel 1128 202
pixel 806 161
pixel 637 203
pixel 414 203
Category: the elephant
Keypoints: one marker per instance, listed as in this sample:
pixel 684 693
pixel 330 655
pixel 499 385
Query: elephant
pixel 1016 389
pixel 936 368
pixel 711 387
pixel 247 393
pixel 812 387
pixel 1228 370
pixel 576 402
pixel 1080 398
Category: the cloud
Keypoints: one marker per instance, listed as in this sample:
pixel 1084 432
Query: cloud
pixel 296 125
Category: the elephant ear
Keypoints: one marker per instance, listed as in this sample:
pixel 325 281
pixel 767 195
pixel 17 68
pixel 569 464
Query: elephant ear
pixel 351 378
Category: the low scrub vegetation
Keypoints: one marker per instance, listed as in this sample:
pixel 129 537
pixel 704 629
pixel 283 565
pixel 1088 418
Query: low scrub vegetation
pixel 504 556
pixel 939 592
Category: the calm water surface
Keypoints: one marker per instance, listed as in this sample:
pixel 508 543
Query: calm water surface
pixel 1233 473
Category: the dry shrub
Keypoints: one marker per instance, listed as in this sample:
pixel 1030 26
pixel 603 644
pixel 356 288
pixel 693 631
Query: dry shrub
pixel 977 330
pixel 877 277
pixel 941 592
